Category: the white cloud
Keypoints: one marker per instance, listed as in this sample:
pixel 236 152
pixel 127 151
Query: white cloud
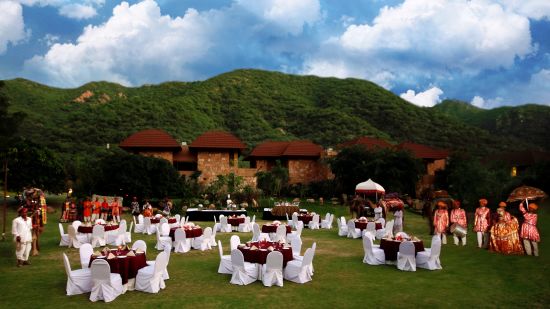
pixel 427 98
pixel 536 9
pixel 135 42
pixel 12 27
pixel 290 15
pixel 50 39
pixel 428 39
pixel 478 101
pixel 77 11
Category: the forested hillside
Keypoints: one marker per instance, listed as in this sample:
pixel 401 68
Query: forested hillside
pixel 258 105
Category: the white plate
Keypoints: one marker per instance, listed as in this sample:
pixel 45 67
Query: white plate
pixel 121 256
pixel 101 257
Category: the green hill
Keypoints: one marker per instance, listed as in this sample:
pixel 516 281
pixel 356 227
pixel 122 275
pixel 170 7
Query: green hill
pixel 529 122
pixel 255 105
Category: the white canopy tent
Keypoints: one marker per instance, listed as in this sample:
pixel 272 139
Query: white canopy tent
pixel 370 187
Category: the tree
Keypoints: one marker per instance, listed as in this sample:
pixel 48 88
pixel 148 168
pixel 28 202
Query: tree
pixel 37 166
pixel 396 170
pixel 121 173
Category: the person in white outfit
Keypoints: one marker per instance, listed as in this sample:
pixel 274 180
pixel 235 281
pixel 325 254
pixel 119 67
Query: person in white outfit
pixel 22 234
pixel 398 220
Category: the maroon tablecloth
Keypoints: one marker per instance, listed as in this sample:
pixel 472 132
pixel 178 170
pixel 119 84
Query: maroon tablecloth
pixel 259 256
pixel 235 221
pixel 391 247
pixel 363 225
pixel 89 229
pixel 189 233
pixel 271 228
pixel 157 220
pixel 307 218
pixel 127 267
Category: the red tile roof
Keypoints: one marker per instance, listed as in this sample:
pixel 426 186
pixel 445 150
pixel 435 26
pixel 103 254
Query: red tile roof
pixel 272 149
pixel 423 151
pixel 217 140
pixel 368 142
pixel 184 155
pixel 152 138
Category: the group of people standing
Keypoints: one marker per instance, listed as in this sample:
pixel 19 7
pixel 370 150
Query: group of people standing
pixel 500 231
pixel 89 211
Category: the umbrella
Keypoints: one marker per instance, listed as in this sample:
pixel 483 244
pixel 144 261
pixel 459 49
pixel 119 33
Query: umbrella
pixel 369 187
pixel 394 202
pixel 526 193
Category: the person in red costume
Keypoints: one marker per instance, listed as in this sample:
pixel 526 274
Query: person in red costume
pixel 441 221
pixel 529 232
pixel 458 217
pixel 481 223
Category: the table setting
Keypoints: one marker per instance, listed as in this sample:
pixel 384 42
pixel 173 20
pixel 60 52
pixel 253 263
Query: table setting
pixel 391 245
pixel 123 261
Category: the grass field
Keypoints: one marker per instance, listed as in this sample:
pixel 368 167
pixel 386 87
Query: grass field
pixel 470 277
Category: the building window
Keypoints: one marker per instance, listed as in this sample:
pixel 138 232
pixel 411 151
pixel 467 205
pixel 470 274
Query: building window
pixel 514 172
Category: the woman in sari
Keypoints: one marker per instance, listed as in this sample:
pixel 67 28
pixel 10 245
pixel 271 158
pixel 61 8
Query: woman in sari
pixel 504 235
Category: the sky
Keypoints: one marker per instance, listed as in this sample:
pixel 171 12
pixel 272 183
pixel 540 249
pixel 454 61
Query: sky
pixel 488 53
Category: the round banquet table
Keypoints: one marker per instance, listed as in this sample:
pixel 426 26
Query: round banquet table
pixel 127 266
pixel 88 229
pixel 363 225
pixel 306 219
pixel 391 247
pixel 235 221
pixel 189 232
pixel 260 255
pixel 157 220
pixel 272 228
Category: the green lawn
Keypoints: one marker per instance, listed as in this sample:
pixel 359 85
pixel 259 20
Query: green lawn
pixel 470 277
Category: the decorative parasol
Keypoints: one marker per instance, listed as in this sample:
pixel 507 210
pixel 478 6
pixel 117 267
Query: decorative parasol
pixel 394 202
pixel 526 193
pixel 370 187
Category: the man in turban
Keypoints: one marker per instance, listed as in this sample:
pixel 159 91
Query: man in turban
pixel 22 233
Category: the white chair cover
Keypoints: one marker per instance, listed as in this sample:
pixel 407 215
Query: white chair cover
pixel 314 223
pixel 353 232
pixel 164 229
pixel 405 257
pixel 299 271
pixel 64 241
pixel 296 246
pixel 256 232
pixel 213 242
pixel 224 226
pixel 295 219
pixel 327 222
pixel 181 243
pixel 272 271
pixel 106 286
pixel 234 242
pixel 389 229
pixel 148 227
pixel 382 221
pixel 162 241
pixel 243 272
pixel 289 221
pixel 280 234
pixel 225 266
pixel 373 256
pixel 217 225
pixel 76 224
pixel 252 221
pixel 297 234
pixel 75 240
pixel 342 227
pixel 98 235
pixel 245 227
pixel 128 233
pixel 85 251
pixel 139 226
pixel 119 237
pixel 380 233
pixel 78 281
pixel 429 258
pixel 140 245
pixel 371 229
pixel 203 242
pixel 150 279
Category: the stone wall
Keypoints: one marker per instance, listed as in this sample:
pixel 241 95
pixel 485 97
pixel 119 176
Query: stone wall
pixel 212 164
pixel 305 171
